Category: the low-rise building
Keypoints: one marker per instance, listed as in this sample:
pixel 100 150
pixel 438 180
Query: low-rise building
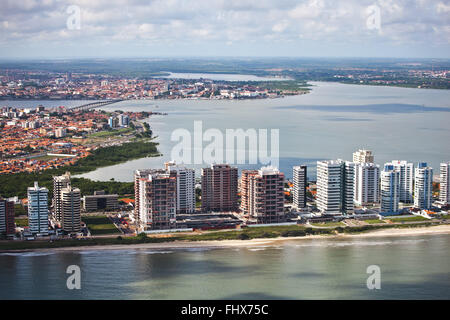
pixel 96 202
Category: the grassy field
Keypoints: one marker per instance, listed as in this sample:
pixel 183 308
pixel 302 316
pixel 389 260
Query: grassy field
pixel 47 158
pixel 22 222
pixel 111 133
pixel 373 221
pixel 257 233
pixel 100 225
pixel 409 219
pixel 328 224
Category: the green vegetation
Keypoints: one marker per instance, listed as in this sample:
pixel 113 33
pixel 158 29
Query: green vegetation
pixel 47 158
pixel 373 221
pixel 245 234
pixel 111 133
pixel 112 155
pixel 19 210
pixel 281 85
pixel 362 71
pixel 100 225
pixel 22 222
pixel 17 184
pixel 256 233
pixel 409 219
pixel 328 224
pixel 23 245
pixel 111 187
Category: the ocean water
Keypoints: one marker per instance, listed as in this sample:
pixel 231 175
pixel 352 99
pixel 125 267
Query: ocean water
pixel 413 267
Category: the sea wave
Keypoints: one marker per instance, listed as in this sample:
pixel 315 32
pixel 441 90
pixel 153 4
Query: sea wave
pixel 359 243
pixel 196 249
pixel 156 252
pixel 26 254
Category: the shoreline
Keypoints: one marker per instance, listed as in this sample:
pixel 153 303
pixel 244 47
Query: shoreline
pixel 224 244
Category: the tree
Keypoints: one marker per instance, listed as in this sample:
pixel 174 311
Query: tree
pixel 142 235
pixel 243 236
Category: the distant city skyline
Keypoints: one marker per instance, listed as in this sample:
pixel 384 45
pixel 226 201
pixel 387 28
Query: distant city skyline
pixel 287 28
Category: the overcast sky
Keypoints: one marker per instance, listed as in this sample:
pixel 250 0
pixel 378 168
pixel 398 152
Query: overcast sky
pixel 134 28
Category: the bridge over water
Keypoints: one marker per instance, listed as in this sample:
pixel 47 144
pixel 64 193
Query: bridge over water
pixel 94 105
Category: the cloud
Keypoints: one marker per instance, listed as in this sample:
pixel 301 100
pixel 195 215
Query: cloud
pixel 29 22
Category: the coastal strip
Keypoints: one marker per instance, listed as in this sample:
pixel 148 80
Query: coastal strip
pixel 219 244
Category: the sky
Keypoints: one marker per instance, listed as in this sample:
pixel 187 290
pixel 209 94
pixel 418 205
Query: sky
pixel 201 28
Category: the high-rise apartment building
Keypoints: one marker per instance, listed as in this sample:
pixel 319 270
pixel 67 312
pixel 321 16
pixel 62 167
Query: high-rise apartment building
pixel 124 120
pixel 390 189
pixel 423 186
pixel 367 185
pixel 155 199
pixel 406 170
pixel 335 179
pixel 363 156
pixel 185 187
pixel 71 210
pixel 266 195
pixel 219 188
pixel 444 190
pixel 38 210
pixel 245 190
pixel 59 183
pixel 7 226
pixel 299 175
pixel 138 176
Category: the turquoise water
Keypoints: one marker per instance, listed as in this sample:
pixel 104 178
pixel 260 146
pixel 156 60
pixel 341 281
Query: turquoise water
pixel 411 268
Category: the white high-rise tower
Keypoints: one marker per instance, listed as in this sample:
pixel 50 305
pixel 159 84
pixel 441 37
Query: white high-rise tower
pixel 335 180
pixel 444 194
pixel 185 187
pixel 406 171
pixel 38 210
pixel 423 187
pixel 390 189
pixel 367 177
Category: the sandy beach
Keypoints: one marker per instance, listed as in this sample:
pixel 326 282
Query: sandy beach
pixel 383 233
